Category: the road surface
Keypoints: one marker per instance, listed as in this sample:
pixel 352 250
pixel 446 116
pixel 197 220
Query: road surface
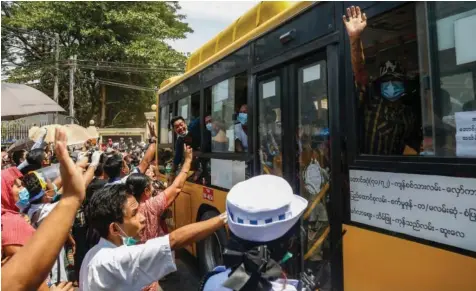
pixel 187 276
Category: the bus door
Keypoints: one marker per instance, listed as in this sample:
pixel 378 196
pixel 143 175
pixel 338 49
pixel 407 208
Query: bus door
pixel 294 141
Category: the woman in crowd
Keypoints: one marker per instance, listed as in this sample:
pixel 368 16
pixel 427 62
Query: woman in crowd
pixel 152 204
pixel 16 230
pixel 31 264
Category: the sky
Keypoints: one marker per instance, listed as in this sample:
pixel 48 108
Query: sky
pixel 207 19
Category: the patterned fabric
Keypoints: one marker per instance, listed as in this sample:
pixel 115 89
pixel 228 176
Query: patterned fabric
pixel 388 126
pixel 152 209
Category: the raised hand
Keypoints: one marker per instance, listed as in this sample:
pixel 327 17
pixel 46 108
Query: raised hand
pixel 96 157
pixel 188 152
pixel 63 286
pixel 73 184
pixel 151 129
pixel 355 21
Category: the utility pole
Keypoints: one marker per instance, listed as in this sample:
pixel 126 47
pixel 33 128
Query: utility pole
pixel 55 89
pixel 72 65
pixel 103 105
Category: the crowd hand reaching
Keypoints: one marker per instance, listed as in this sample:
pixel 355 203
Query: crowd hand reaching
pixel 63 286
pixel 43 247
pixel 82 162
pixel 188 152
pixel 355 21
pixel 73 185
pixel 151 130
pixel 95 158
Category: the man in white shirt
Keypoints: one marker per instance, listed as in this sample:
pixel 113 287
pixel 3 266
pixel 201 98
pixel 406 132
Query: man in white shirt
pixel 116 263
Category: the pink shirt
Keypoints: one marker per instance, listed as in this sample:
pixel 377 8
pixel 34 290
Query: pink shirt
pixel 152 209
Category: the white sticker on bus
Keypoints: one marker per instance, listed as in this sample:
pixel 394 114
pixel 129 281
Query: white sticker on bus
pixel 269 89
pixel 185 111
pixel 311 74
pixel 436 208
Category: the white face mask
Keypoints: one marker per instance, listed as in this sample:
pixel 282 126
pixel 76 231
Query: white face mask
pixel 184 134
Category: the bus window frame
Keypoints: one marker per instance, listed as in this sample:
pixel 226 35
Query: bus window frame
pixel 442 166
pixel 403 164
pixel 171 100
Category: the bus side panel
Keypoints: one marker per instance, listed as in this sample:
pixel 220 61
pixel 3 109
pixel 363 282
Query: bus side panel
pixel 183 215
pixel 197 199
pixel 378 262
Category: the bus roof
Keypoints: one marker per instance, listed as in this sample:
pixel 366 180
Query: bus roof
pixel 257 21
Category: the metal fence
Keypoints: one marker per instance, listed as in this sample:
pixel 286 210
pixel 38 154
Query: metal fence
pixel 13 131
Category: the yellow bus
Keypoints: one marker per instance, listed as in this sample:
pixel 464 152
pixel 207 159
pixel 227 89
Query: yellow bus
pixel 375 221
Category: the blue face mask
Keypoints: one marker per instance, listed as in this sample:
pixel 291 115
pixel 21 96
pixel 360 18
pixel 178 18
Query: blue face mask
pixel 127 240
pixel 392 90
pixel 210 129
pixel 24 199
pixel 242 118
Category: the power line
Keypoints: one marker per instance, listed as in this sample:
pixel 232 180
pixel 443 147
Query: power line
pixel 127 63
pixel 128 86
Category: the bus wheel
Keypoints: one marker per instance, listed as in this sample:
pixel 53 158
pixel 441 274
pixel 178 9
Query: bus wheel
pixel 210 250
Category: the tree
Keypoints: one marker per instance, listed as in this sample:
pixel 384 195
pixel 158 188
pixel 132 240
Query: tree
pixel 125 39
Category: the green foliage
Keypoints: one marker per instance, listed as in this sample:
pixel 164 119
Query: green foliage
pixel 122 31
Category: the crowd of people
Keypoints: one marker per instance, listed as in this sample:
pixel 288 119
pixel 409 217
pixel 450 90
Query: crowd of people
pixel 97 221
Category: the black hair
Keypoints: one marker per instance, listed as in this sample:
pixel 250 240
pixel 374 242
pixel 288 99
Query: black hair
pixel 113 166
pixel 17 156
pixel 136 184
pixel 32 184
pixel 105 207
pixel 35 158
pixel 99 170
pixel 174 119
pixel 93 187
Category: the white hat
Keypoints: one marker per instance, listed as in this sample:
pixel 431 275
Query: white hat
pixel 263 208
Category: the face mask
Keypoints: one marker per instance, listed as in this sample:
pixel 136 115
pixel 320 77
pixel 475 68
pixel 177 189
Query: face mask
pixel 57 196
pixel 184 134
pixel 24 197
pixel 242 118
pixel 392 91
pixel 209 126
pixel 127 240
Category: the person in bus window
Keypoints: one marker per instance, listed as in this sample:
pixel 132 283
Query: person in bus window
pixel 219 139
pixel 391 123
pixel 241 130
pixel 184 136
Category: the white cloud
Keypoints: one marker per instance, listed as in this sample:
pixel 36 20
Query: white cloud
pixel 227 11
pixel 207 19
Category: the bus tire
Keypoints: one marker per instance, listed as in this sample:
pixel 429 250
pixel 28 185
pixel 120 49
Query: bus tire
pixel 210 249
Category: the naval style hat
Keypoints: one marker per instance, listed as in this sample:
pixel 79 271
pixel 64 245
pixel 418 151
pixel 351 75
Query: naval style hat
pixel 263 208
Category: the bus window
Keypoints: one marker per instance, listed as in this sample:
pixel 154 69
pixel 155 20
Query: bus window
pixel 313 151
pixel 194 124
pixel 220 121
pixel 270 126
pixel 415 79
pixel 386 73
pixel 165 154
pixel 184 108
pixel 449 105
pixel 165 131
